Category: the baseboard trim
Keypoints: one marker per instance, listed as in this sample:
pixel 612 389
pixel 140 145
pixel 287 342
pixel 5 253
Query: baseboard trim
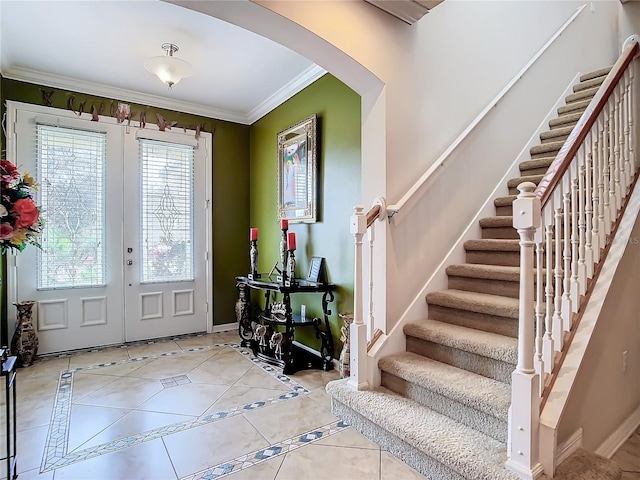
pixel 569 446
pixel 611 445
pixel 225 327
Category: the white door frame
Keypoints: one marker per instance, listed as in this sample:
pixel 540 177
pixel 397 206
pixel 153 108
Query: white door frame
pixel 11 149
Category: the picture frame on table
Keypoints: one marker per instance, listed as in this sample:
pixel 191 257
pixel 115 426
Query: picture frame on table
pixel 317 270
pixel 297 172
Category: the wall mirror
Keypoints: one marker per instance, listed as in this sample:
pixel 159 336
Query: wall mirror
pixel 297 170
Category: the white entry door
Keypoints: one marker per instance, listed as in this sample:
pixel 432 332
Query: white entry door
pixel 125 237
pixel 165 235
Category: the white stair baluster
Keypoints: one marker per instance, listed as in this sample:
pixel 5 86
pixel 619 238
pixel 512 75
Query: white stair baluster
pixel 558 325
pixel 547 346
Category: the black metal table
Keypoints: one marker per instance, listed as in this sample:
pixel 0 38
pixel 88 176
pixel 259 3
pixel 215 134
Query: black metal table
pixel 259 330
pixel 9 455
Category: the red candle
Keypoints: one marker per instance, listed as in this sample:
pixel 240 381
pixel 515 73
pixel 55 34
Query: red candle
pixel 254 234
pixel 284 224
pixel 291 241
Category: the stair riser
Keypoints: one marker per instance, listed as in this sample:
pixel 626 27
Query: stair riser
pixel 563 121
pixel 397 446
pixel 500 233
pixel 560 138
pixel 551 153
pixel 571 109
pixel 504 211
pixel 480 321
pixel 487 424
pixel 534 171
pixel 504 288
pixel 485 366
pixel 579 97
pixel 508 259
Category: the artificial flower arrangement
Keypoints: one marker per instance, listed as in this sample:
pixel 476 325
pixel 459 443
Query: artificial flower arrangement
pixel 20 220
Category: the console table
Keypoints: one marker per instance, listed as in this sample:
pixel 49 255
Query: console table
pixel 259 330
pixel 9 451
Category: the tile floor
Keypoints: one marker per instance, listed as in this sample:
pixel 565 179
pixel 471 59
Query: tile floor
pixel 194 408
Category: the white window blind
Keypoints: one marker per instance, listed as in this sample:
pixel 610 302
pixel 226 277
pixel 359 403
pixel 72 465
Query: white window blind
pixel 166 213
pixel 71 173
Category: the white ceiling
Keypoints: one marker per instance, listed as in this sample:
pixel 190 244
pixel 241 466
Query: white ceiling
pixel 99 47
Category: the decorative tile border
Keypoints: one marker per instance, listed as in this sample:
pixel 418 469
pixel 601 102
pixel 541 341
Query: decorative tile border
pixel 56 453
pixel 272 451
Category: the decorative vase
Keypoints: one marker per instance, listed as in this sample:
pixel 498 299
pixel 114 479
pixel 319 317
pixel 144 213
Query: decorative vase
pixel 283 253
pixel 345 357
pixel 25 341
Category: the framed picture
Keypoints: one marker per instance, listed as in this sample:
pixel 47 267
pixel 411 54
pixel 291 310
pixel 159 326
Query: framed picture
pixel 316 270
pixel 297 167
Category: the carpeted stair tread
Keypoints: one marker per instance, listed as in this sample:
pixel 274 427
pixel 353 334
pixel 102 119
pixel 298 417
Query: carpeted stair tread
pixel 569 119
pixel 582 95
pixel 514 182
pixel 556 132
pixel 493 244
pixel 504 201
pixel 574 107
pixel 603 72
pixel 475 302
pixel 481 393
pixel 587 84
pixel 469 453
pixel 546 148
pixel 536 163
pixel 497 222
pixel 486 344
pixel 487 272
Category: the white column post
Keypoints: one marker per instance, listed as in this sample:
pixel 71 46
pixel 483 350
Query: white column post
pixel 358 329
pixel 524 425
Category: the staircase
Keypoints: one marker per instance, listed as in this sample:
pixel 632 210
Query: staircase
pixel 443 404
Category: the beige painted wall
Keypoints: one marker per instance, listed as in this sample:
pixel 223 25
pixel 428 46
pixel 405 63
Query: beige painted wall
pixel 603 396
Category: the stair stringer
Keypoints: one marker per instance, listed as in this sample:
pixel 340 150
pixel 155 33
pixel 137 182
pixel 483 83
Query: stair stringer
pixel 395 341
pixel 555 406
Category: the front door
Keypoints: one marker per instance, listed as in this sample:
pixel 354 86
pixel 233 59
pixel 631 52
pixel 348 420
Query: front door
pixel 124 245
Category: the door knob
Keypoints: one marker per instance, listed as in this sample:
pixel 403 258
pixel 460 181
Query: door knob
pixel 129 262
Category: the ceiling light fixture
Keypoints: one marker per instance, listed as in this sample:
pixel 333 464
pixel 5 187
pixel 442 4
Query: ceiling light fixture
pixel 168 68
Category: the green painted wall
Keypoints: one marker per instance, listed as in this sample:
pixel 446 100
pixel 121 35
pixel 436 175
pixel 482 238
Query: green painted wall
pixel 339 159
pixel 230 213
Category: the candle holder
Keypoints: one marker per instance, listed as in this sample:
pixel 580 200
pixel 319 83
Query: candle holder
pixel 253 256
pixel 291 268
pixel 283 256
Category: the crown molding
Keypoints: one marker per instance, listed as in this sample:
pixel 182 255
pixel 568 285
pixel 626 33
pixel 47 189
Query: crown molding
pixel 303 80
pixel 299 83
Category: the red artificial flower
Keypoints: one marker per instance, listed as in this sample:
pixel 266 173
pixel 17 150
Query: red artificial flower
pixel 6 231
pixel 26 211
pixel 8 171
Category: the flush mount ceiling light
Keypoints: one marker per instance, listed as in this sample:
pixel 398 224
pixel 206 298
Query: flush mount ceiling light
pixel 168 68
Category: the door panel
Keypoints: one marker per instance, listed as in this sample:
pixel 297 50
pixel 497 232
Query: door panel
pixel 77 277
pixel 165 271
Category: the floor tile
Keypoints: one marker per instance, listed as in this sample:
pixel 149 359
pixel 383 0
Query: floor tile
pixel 348 438
pixel 35 475
pixel 29 448
pixel 44 367
pixel 190 399
pixel 257 377
pixel 121 369
pixel 147 461
pixel 126 392
pixel 315 378
pixel 87 382
pixel 97 357
pixel 135 422
pixel 222 369
pixel 199 448
pixel 87 421
pixel 33 412
pixel 391 468
pixel 289 418
pixel 32 387
pixel 266 470
pixel 201 341
pixel 153 348
pixel 311 463
pixel 236 396
pixel 166 367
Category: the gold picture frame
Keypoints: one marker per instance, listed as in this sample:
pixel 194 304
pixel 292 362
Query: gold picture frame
pixel 297 172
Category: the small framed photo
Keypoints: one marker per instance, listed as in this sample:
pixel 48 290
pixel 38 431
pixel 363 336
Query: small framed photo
pixel 316 270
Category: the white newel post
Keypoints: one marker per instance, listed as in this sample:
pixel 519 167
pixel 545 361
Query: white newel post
pixel 358 329
pixel 524 425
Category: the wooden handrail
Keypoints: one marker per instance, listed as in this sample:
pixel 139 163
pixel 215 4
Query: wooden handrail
pixel 570 148
pixel 372 215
